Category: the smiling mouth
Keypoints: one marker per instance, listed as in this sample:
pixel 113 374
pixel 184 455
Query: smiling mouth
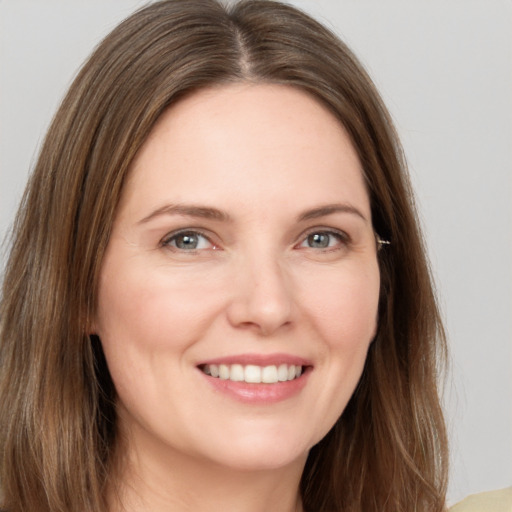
pixel 253 374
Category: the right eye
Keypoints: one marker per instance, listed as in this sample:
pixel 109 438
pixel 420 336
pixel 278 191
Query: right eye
pixel 187 241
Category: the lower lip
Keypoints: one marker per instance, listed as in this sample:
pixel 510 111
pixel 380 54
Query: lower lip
pixel 259 393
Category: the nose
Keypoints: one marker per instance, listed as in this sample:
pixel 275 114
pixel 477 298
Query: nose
pixel 262 297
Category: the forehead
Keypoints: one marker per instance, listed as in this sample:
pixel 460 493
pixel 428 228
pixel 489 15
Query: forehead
pixel 268 142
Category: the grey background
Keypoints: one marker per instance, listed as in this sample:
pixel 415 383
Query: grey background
pixel 444 69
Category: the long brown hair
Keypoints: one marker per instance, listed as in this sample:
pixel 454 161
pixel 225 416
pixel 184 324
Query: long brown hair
pixel 387 452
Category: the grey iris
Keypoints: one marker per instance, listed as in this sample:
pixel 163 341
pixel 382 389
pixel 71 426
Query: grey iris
pixel 318 240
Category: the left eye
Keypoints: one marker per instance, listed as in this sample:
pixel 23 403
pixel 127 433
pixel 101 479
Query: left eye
pixel 322 240
pixel 188 241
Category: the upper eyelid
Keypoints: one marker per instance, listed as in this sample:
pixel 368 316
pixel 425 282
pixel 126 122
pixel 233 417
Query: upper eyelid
pixel 324 229
pixel 172 234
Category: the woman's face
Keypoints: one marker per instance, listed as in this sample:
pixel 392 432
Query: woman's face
pixel 238 295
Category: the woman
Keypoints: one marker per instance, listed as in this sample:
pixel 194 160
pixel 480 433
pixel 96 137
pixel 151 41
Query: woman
pixel 217 294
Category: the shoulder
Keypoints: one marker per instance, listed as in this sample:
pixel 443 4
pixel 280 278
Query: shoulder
pixel 493 501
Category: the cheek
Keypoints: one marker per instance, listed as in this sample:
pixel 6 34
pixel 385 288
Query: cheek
pixel 344 307
pixel 342 312
pixel 146 323
pixel 154 308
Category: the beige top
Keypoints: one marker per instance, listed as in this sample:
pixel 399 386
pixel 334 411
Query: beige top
pixel 493 501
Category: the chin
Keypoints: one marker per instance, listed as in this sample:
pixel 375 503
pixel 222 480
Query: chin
pixel 260 453
pixel 264 461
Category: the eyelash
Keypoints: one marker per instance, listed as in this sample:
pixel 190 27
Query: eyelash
pixel 341 237
pixel 172 237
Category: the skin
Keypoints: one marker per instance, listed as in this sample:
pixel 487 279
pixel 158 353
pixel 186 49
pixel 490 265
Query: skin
pixel 256 283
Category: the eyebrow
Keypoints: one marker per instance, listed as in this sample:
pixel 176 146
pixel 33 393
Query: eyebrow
pixel 207 212
pixel 186 210
pixel 330 209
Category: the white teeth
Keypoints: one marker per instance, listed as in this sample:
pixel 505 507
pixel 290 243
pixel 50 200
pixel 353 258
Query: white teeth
pixel 236 373
pixel 224 372
pixel 282 373
pixel 269 375
pixel 253 374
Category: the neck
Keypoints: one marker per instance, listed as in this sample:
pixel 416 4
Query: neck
pixel 181 484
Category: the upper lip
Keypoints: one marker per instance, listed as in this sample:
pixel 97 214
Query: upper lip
pixel 259 360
